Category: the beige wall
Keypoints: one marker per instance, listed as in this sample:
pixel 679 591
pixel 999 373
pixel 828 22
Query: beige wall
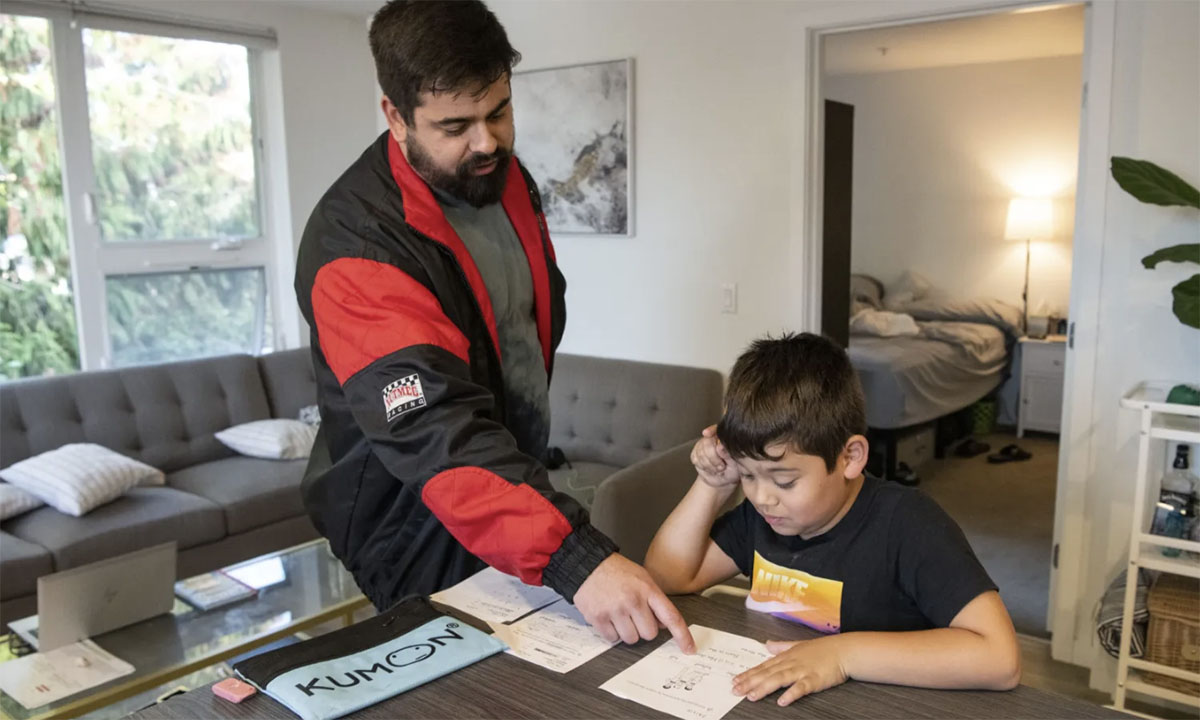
pixel 939 152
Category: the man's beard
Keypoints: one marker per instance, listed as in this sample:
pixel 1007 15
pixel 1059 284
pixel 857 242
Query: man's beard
pixel 463 183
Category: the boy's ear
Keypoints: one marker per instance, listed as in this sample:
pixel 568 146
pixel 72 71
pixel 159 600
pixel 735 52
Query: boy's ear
pixel 855 454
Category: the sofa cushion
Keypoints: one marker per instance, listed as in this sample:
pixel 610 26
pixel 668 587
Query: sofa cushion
pixel 581 480
pixel 145 516
pixel 618 412
pixel 21 564
pixel 164 415
pixel 289 380
pixel 251 492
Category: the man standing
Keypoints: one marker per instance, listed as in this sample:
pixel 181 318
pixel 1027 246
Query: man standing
pixel 427 276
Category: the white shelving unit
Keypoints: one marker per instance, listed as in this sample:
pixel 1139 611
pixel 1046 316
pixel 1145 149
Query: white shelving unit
pixel 1175 423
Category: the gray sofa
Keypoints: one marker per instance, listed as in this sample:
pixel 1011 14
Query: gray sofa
pixel 219 507
pixel 627 429
pixel 612 419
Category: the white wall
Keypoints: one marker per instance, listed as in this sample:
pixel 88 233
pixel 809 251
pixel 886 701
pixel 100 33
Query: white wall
pixel 711 175
pixel 1155 116
pixel 939 152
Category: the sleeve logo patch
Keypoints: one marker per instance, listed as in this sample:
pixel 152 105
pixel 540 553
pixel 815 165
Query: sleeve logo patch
pixel 402 396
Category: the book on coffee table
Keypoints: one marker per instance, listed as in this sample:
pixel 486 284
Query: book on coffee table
pixel 212 590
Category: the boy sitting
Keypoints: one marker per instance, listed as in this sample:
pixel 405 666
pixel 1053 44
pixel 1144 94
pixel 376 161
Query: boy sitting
pixel 879 566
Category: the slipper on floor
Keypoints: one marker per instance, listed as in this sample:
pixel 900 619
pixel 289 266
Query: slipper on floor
pixel 1009 453
pixel 971 447
pixel 906 475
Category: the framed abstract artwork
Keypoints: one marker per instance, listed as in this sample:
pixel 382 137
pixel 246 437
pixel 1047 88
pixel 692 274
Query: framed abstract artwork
pixel 574 129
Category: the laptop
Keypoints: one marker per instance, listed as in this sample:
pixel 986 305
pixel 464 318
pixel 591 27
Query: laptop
pixel 87 601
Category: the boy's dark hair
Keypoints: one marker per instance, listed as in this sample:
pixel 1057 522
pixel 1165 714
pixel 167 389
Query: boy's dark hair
pixel 800 389
pixel 426 46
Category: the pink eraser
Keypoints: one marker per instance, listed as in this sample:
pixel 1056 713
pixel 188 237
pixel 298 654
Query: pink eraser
pixel 233 690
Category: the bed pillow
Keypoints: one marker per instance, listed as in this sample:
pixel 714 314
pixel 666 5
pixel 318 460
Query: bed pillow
pixel 14 501
pixel 78 478
pixel 270 439
pixel 865 290
pixel 909 287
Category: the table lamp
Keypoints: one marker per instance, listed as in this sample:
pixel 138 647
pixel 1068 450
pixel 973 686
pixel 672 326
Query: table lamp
pixel 1028 220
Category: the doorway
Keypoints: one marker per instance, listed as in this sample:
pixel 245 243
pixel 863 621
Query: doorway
pixel 963 150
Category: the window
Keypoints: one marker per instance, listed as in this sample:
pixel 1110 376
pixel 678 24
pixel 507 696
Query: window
pixel 170 125
pixel 148 241
pixel 155 317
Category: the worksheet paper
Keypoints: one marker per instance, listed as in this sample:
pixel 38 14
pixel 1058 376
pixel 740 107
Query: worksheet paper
pixel 41 678
pixel 692 687
pixel 555 637
pixel 492 596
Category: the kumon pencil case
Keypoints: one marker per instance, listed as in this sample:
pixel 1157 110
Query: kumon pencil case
pixel 350 669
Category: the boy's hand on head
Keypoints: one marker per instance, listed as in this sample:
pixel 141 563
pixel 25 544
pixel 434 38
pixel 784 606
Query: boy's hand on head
pixel 804 667
pixel 713 463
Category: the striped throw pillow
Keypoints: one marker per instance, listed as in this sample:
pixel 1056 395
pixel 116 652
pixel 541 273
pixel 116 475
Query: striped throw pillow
pixel 78 478
pixel 15 501
pixel 270 439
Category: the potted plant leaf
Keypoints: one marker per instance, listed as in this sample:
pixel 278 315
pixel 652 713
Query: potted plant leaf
pixel 1154 185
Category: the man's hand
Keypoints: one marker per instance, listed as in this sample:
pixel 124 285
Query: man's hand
pixel 808 666
pixel 621 602
pixel 713 463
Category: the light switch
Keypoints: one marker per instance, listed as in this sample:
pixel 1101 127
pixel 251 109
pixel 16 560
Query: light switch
pixel 729 298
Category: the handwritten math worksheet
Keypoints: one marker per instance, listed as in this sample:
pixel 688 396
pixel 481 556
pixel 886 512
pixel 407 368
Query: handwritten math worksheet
pixel 692 687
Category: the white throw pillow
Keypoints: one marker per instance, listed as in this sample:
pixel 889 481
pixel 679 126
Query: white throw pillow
pixel 15 501
pixel 270 439
pixel 77 478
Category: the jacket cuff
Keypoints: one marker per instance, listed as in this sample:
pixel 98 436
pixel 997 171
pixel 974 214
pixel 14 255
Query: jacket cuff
pixel 580 553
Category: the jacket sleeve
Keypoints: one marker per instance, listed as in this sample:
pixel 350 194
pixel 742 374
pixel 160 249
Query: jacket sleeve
pixel 404 367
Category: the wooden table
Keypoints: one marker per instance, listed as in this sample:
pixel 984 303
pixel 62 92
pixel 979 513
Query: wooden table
pixel 503 686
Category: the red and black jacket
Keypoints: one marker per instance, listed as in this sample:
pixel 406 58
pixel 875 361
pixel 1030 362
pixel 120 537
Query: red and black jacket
pixel 417 479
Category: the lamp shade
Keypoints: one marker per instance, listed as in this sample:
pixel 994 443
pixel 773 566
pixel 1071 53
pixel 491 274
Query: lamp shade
pixel 1028 219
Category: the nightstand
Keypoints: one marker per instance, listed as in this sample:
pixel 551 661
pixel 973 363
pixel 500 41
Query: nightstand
pixel 1043 363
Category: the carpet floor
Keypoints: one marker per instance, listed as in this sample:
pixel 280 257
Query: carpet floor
pixel 1007 513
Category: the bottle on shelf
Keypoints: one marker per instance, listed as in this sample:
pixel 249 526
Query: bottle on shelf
pixel 1175 515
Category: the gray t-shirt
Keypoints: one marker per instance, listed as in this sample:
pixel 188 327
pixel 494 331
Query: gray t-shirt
pixel 496 249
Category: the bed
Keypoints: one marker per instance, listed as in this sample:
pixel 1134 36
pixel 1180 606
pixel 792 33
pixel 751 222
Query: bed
pixel 923 358
pixel 910 380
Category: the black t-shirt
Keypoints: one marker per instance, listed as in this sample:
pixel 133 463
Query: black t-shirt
pixel 895 561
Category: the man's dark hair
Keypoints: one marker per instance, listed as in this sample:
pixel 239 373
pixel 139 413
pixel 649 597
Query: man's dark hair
pixel 798 389
pixel 444 46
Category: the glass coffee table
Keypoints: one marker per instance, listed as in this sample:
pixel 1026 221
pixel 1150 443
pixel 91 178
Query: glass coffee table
pixel 302 587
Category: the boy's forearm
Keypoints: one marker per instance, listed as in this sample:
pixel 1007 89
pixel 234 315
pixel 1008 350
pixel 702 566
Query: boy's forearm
pixel 942 658
pixel 678 549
